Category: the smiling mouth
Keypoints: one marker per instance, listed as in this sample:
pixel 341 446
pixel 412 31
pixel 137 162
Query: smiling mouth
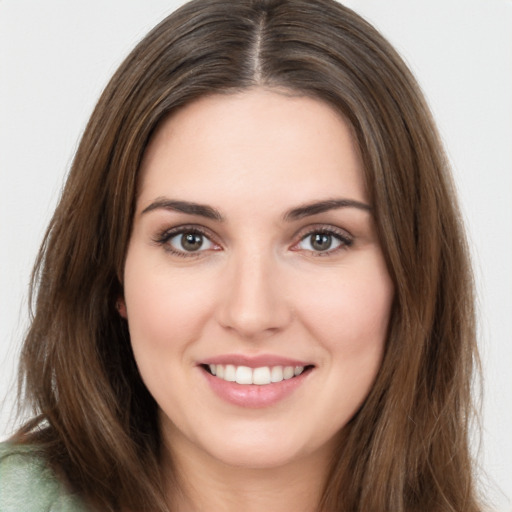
pixel 260 376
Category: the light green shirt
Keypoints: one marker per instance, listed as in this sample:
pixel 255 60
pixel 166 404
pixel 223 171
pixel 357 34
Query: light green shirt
pixel 27 484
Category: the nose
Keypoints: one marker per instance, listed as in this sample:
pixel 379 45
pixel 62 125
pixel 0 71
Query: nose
pixel 254 301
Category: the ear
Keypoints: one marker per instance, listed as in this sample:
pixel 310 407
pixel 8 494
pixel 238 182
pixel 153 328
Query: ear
pixel 121 307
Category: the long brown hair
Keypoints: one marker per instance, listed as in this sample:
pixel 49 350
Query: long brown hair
pixel 406 449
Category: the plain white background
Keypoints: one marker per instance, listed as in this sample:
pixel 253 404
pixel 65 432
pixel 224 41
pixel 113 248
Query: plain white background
pixel 56 56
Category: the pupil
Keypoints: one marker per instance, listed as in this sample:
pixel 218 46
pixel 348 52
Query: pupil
pixel 191 241
pixel 321 241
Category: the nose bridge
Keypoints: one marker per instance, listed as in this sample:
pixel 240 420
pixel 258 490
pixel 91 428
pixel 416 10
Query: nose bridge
pixel 254 301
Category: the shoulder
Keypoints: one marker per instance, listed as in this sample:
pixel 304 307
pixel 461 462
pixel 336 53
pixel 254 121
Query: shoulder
pixel 28 484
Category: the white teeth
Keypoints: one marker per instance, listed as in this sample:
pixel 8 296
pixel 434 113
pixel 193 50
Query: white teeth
pixel 230 373
pixel 288 372
pixel 259 376
pixel 243 375
pixel 276 374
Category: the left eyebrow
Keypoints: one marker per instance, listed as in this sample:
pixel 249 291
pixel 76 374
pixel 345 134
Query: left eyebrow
pixel 324 206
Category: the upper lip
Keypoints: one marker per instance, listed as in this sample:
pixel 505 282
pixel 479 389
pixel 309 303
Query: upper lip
pixel 254 361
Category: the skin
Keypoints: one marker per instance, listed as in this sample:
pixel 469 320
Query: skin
pixel 255 286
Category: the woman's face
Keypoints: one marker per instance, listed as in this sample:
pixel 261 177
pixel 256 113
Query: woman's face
pixel 254 256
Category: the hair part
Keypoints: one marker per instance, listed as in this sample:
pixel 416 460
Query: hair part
pixel 406 449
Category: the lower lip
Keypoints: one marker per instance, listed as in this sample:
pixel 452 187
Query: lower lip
pixel 253 395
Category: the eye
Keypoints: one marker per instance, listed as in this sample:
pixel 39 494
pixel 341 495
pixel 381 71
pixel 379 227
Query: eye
pixel 190 242
pixel 323 242
pixel 186 241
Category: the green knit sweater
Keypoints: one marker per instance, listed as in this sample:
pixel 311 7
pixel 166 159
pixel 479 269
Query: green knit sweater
pixel 27 484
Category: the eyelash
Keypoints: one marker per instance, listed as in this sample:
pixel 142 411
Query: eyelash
pixel 165 236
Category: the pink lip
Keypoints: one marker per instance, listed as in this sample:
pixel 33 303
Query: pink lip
pixel 254 361
pixel 253 395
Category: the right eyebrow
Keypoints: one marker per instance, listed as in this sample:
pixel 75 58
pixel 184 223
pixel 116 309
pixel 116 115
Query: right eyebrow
pixel 191 208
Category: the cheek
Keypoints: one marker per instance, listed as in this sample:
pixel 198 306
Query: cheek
pixel 163 307
pixel 166 313
pixel 350 317
pixel 350 321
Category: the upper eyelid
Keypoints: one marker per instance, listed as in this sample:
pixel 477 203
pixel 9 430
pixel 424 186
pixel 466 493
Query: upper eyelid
pixel 184 228
pixel 323 228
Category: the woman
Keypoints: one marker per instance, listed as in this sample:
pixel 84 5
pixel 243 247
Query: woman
pixel 255 292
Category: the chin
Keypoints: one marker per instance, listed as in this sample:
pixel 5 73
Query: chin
pixel 256 456
pixel 263 449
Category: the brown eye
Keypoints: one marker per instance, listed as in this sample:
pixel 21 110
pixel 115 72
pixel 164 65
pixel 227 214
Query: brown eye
pixel 190 242
pixel 320 242
pixel 323 242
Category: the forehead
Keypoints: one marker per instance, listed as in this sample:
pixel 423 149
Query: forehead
pixel 253 144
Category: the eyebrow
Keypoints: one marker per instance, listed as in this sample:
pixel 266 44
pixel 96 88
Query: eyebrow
pixel 323 206
pixel 185 207
pixel 298 213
